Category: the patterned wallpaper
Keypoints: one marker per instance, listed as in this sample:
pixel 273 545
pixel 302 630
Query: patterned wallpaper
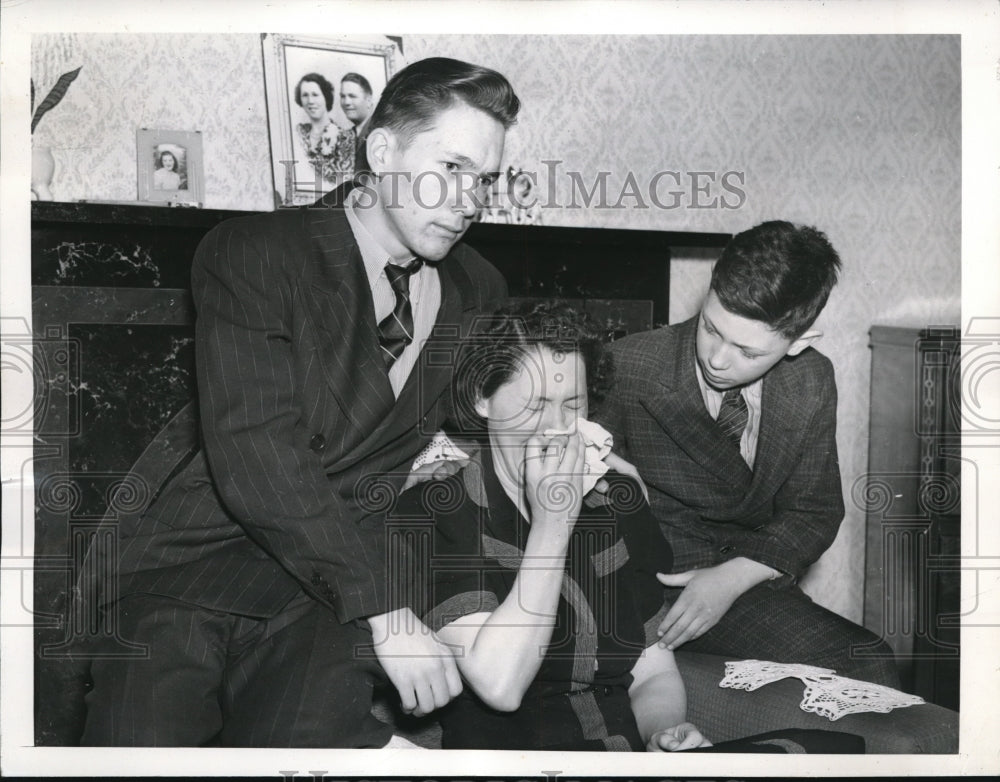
pixel 211 83
pixel 858 135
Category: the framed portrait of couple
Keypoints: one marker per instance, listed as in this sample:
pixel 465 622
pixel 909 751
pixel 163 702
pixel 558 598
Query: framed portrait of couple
pixel 320 93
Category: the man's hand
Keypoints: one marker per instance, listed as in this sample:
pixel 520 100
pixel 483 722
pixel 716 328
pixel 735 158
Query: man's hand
pixel 708 594
pixel 679 737
pixel 419 665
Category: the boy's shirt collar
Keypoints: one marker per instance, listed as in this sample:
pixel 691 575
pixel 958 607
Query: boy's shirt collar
pixel 752 395
pixel 751 391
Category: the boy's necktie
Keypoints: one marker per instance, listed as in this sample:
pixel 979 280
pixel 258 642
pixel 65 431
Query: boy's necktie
pixel 395 331
pixel 733 416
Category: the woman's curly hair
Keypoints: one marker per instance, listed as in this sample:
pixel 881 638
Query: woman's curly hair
pixel 492 357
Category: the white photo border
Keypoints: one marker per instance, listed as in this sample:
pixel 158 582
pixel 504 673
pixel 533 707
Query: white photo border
pixel 147 141
pixel 977 23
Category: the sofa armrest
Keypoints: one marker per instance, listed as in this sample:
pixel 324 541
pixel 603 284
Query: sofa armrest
pixel 723 714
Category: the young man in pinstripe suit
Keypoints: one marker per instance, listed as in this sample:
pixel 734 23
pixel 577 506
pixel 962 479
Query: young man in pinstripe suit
pixel 730 419
pixel 259 577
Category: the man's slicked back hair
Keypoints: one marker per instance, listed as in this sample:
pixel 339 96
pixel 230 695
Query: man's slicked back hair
pixel 418 93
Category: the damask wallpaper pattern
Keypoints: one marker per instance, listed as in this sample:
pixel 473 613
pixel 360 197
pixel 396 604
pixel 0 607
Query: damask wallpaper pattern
pixel 858 135
pixel 211 83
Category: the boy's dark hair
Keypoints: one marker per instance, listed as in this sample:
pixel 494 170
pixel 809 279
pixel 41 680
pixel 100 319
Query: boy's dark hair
pixel 778 273
pixel 414 97
pixel 493 356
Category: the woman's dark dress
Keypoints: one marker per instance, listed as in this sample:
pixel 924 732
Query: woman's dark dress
pixel 609 608
pixel 469 538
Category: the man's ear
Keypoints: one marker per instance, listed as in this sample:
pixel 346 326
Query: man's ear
pixel 379 145
pixel 803 342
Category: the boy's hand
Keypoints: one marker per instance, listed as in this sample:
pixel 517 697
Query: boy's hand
pixel 677 738
pixel 708 594
pixel 420 666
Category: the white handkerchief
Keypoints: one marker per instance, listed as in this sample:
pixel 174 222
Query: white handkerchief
pixel 596 438
pixel 598 442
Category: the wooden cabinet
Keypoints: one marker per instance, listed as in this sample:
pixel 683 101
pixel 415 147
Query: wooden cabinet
pixel 912 498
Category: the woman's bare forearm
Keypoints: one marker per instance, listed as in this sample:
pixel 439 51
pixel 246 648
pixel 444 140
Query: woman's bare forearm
pixel 501 658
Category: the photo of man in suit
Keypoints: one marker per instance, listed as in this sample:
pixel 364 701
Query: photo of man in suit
pixel 355 99
pixel 730 418
pixel 356 102
pixel 258 577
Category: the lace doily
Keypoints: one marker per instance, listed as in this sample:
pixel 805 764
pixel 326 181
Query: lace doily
pixel 439 449
pixel 826 694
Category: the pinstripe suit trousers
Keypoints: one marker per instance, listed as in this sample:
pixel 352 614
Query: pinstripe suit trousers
pixel 298 679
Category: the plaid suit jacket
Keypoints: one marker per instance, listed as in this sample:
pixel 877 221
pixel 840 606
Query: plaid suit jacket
pixel 298 418
pixel 711 506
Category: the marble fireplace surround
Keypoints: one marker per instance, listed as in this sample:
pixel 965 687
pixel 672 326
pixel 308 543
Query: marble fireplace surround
pixel 113 324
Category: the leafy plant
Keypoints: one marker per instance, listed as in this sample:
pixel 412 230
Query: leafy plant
pixel 55 95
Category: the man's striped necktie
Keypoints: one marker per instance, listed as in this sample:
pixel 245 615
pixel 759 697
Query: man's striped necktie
pixel 395 331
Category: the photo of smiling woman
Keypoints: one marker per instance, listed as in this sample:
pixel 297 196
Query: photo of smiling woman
pixel 323 143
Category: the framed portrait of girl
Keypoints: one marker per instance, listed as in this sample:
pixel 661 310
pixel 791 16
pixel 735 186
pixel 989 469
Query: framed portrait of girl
pixel 170 167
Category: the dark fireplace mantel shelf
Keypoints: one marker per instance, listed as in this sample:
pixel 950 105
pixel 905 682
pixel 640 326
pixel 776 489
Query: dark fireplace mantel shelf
pixel 100 244
pixel 140 214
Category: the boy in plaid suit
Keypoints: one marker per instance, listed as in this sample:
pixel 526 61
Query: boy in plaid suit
pixel 730 418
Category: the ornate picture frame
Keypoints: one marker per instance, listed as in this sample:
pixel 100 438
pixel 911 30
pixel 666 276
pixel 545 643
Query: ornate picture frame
pixel 312 136
pixel 170 167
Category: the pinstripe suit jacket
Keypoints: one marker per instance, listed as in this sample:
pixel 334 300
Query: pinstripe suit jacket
pixel 711 506
pixel 297 416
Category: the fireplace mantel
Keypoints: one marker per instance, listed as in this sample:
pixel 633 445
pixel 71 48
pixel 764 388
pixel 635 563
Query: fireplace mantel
pixel 537 260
